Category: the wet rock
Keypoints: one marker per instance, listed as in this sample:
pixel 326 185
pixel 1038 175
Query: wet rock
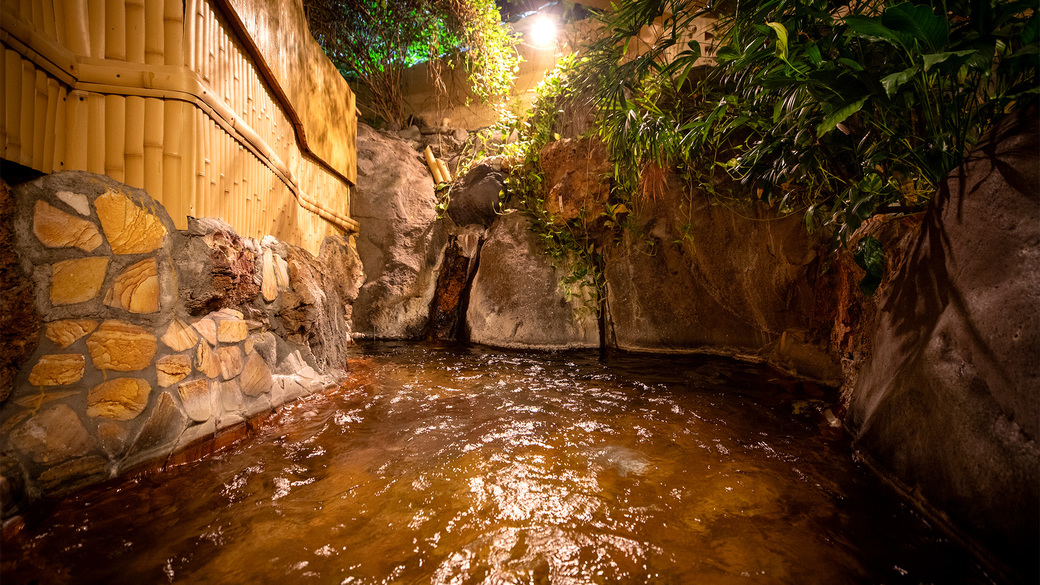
pixel 197 399
pixel 121 346
pixel 12 486
pixel 68 331
pixel 445 316
pixel 113 437
pixel 78 280
pixel 717 278
pixel 57 229
pixel 72 475
pixel 136 289
pixel 401 243
pixel 129 228
pixel 53 435
pixel 160 431
pixel 518 299
pixel 57 369
pixel 476 195
pixel 948 402
pixel 118 399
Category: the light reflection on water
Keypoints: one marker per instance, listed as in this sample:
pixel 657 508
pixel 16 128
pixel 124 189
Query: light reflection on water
pixel 454 465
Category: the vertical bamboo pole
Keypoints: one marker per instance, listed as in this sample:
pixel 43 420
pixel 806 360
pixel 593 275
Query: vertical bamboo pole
pixel 77 130
pixel 190 159
pixel 176 121
pixel 177 17
pixel 58 8
pixel 216 204
pixel 152 140
pixel 96 36
pixel 200 164
pixel 77 27
pixel 115 136
pixel 115 30
pixel 134 143
pixel 7 102
pixel 96 133
pixel 39 121
pixel 155 32
pixel 27 101
pixel 135 30
pixel 47 19
pixel 60 130
pixel 211 45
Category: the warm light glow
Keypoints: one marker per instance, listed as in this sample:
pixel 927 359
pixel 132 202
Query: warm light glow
pixel 543 32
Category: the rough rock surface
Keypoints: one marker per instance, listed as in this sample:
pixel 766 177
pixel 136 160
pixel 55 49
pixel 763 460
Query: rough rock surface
pixel 517 298
pixel 216 269
pixel 577 173
pixel 475 196
pixel 949 401
pixel 312 314
pixel 344 271
pixel 19 321
pixel 401 242
pixel 718 279
pixel 73 418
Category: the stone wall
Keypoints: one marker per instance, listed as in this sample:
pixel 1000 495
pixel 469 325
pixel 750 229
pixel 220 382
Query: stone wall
pixel 153 339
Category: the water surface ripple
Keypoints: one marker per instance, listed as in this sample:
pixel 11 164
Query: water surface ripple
pixel 451 465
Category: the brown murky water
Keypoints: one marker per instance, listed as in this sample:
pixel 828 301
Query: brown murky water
pixel 468 465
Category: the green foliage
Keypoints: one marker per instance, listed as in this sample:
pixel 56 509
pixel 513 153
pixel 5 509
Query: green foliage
pixel 870 256
pixel 535 128
pixel 373 41
pixel 838 111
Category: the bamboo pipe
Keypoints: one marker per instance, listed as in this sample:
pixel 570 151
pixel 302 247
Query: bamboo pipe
pixel 445 174
pixel 434 167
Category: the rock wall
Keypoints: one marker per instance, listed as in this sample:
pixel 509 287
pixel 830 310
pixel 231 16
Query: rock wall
pixel 948 403
pixel 151 339
pixel 518 298
pixel 402 243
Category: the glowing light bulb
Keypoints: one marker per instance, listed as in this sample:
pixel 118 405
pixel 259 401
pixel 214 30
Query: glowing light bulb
pixel 543 32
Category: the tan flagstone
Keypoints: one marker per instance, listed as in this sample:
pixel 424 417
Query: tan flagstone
pixel 57 369
pixel 207 328
pixel 67 331
pixel 256 376
pixel 118 399
pixel 129 228
pixel 196 398
pixel 206 361
pixel 230 361
pixel 232 331
pixel 121 346
pixel 179 336
pixel 136 289
pixel 269 286
pixel 57 229
pixel 172 369
pixel 77 280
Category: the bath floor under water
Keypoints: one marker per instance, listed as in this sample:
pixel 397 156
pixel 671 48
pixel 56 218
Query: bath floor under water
pixel 441 464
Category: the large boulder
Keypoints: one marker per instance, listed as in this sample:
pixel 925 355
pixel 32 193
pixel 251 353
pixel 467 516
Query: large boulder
pixel 577 173
pixel 948 404
pixel 732 279
pixel 476 195
pixel 401 241
pixel 518 298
